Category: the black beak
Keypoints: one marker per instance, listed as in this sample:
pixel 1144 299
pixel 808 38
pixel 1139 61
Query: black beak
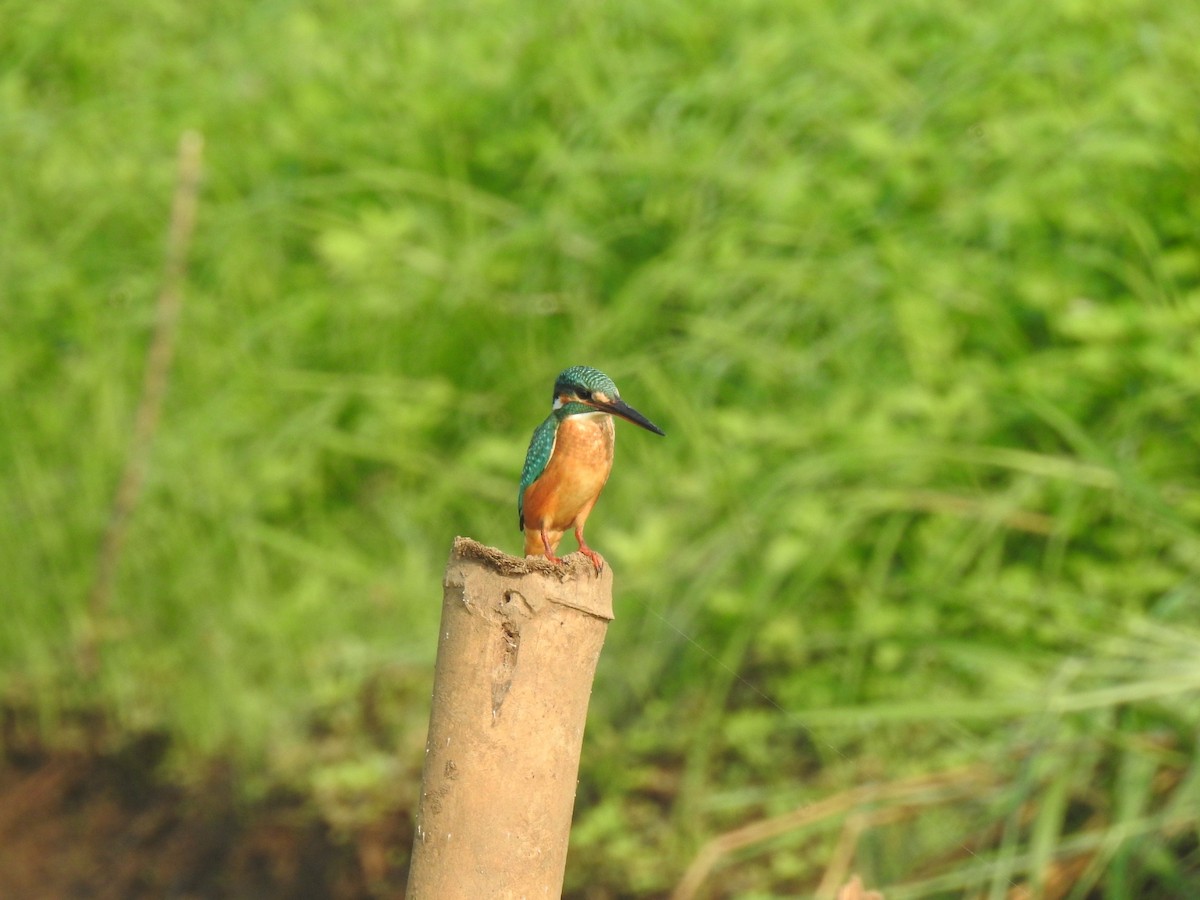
pixel 628 413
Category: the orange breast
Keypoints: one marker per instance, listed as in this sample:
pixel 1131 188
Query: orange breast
pixel 575 475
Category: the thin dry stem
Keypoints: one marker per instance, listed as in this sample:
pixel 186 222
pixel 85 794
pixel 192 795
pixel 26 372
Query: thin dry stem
pixel 154 388
pixel 908 792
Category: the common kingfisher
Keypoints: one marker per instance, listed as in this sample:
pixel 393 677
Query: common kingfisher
pixel 569 459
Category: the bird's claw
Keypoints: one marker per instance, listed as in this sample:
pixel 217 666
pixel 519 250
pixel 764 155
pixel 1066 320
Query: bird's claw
pixel 596 558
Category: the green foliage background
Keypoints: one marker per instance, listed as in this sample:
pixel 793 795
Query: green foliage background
pixel 913 289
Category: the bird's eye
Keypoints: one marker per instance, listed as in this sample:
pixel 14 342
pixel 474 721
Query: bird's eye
pixel 584 395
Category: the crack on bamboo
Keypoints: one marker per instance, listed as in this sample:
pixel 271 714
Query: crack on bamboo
pixel 505 671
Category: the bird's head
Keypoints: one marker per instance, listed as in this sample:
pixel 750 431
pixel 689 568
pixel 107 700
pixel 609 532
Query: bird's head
pixel 582 389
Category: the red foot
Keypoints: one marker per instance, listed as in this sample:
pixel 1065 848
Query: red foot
pixel 596 558
pixel 557 560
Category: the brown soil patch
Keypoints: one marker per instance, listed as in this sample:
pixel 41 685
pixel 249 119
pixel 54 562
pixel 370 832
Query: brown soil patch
pixel 93 824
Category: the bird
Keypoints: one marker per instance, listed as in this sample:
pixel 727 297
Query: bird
pixel 569 460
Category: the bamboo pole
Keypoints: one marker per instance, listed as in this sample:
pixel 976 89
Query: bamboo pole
pixel 517 651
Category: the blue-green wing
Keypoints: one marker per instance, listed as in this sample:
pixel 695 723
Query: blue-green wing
pixel 540 448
